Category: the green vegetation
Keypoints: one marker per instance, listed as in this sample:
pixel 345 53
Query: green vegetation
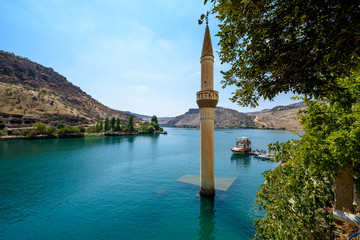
pixel 286 46
pixel 299 195
pixel 154 119
pixel 68 131
pixel 39 128
pixel 310 48
pixel 107 124
pixel 112 123
pixel 2 126
pixel 130 125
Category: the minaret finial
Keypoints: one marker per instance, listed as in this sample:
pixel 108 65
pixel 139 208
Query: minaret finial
pixel 207 46
pixel 207 20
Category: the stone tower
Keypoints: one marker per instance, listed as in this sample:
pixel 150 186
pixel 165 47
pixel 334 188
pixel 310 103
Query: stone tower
pixel 207 100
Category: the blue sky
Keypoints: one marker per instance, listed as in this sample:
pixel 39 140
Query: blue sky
pixel 140 56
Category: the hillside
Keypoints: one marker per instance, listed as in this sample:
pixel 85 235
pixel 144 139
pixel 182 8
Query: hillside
pixel 28 88
pixel 277 117
pixel 224 118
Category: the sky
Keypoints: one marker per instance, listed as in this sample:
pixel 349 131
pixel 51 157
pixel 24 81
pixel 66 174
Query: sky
pixel 139 55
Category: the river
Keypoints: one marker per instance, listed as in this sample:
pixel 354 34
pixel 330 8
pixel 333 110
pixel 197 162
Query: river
pixel 127 188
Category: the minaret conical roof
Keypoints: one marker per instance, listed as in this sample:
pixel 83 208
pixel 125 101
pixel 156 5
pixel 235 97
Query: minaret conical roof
pixel 207 46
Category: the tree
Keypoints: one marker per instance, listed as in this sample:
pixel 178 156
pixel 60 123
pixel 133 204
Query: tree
pixel 112 123
pixel 130 125
pixel 298 195
pixel 150 129
pixel 107 124
pixel 117 127
pixel 287 46
pixel 39 127
pixel 154 119
pixel 155 125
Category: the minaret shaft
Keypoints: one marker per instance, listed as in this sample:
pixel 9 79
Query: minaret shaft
pixel 207 100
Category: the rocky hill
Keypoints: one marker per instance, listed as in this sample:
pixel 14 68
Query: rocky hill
pixel 277 117
pixel 28 88
pixel 224 118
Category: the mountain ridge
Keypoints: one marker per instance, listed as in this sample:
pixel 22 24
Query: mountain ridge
pixel 29 88
pixel 279 117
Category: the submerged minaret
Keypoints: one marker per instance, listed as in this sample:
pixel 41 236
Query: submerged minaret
pixel 207 100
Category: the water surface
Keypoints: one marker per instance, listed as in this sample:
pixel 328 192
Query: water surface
pixel 126 188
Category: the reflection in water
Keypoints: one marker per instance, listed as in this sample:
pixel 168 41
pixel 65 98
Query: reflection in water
pixel 207 219
pixel 242 160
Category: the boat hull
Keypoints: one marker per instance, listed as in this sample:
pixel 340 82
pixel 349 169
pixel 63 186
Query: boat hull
pixel 239 151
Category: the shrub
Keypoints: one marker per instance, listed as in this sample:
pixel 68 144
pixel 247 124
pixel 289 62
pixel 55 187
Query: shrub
pixel 60 125
pixel 32 134
pixel 50 131
pixel 82 129
pixel 68 130
pixel 39 127
pixel 2 126
pixel 151 129
pixel 16 133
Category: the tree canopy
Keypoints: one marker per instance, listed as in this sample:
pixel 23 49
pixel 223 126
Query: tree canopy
pixel 298 195
pixel 154 119
pixel 131 125
pixel 296 46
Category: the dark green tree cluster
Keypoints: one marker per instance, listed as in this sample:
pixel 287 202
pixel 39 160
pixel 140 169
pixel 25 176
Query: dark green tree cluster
pixel 107 125
pixel 152 127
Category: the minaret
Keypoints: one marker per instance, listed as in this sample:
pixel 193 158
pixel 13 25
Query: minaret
pixel 207 100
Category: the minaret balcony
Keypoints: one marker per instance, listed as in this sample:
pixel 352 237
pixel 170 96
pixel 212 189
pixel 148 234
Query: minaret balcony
pixel 207 98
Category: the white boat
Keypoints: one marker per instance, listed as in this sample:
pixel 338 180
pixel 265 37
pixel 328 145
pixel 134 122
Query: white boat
pixel 265 155
pixel 243 145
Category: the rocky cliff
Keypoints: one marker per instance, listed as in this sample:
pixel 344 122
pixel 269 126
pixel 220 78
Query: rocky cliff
pixel 29 88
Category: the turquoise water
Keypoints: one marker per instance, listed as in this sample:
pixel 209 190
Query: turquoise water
pixel 126 188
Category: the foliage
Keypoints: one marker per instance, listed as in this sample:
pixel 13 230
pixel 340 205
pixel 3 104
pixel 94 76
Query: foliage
pixel 60 125
pixel 287 46
pixel 107 125
pixel 16 133
pixel 31 134
pixel 155 125
pixel 154 119
pixel 150 129
pixel 50 131
pixel 39 128
pixel 131 125
pixel 298 194
pixel 68 131
pixel 82 128
pixel 112 123
pixel 117 126
pixel 2 126
pixel 2 132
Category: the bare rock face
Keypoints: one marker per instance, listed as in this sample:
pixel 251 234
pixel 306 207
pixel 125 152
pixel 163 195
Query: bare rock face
pixel 29 88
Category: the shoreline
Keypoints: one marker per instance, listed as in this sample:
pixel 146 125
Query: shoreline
pixel 85 135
